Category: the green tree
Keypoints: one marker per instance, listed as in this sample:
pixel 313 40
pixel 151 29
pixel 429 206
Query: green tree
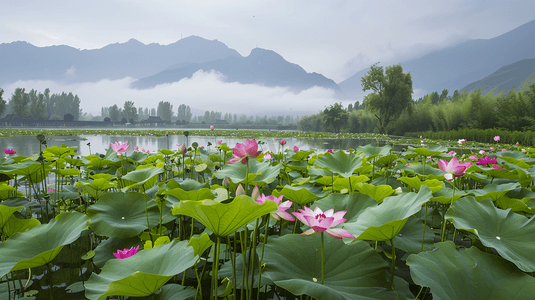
pixel 335 116
pixel 20 101
pixel 115 113
pixel 130 111
pixel 184 112
pixel 391 93
pixel 37 105
pixel 2 103
pixel 165 110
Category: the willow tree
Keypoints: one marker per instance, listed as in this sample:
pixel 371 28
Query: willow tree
pixel 391 93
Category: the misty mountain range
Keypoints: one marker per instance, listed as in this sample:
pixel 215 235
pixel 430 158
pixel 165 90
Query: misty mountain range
pixel 465 65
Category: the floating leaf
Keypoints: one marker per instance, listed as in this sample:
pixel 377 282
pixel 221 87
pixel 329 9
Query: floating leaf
pixel 41 244
pixel 511 234
pixel 468 274
pixel 385 221
pixel 224 219
pixel 122 214
pixel 352 271
pixel 339 162
pixel 142 274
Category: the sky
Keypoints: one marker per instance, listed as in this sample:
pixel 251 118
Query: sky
pixel 336 38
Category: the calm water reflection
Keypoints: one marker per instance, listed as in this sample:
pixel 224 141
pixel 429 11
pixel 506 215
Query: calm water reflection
pixel 27 145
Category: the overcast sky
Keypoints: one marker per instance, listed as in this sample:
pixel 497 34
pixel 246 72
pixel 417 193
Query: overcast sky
pixel 334 38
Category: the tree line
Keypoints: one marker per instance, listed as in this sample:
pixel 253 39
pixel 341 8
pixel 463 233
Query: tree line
pixel 36 105
pixel 389 108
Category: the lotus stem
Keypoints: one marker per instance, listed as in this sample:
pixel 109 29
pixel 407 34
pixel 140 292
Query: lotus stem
pixel 215 267
pixel 233 262
pixel 252 254
pixel 425 224
pixel 262 258
pixel 51 281
pixel 244 269
pixel 393 263
pixel 199 285
pixel 322 260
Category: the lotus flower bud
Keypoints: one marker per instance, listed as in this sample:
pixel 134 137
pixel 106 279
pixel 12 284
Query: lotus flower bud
pixel 296 149
pixel 256 192
pixel 183 148
pixel 240 190
pixel 226 182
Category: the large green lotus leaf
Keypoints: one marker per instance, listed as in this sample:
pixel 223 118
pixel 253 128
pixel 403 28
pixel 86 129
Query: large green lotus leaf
pixel 353 203
pixel 60 151
pixel 385 161
pixel 493 191
pixel 446 196
pixel 187 185
pixel 313 171
pixel 25 168
pixel 301 155
pixel 67 172
pixel 263 170
pixel 377 192
pixel 41 244
pixel 100 184
pixel 300 195
pixel 517 158
pixel 179 194
pixel 104 251
pixel 15 225
pixel 353 271
pixel 415 183
pixel 344 183
pixel 141 274
pixel 6 212
pixel 493 173
pixel 468 274
pixel 137 157
pixel 385 221
pixel 511 234
pixel 515 205
pixel 145 177
pixel 224 219
pixel 339 162
pixel 371 151
pixel 430 171
pixel 409 239
pixel 7 191
pixel 122 214
pixel 428 151
pixel 300 166
pixel 97 163
pixel 175 291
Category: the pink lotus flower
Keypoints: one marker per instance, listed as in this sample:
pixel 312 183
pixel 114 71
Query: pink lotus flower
pixel 281 206
pixel 517 143
pixel 212 127
pixel 330 150
pixel 486 161
pixel 452 153
pixel 497 138
pixel 219 142
pixel 119 147
pixel 283 142
pixel 178 145
pixel 167 133
pixel 183 147
pixel 453 168
pixel 267 156
pixel 472 157
pixel 50 190
pixel 461 141
pixel 296 149
pixel 503 150
pixel 497 167
pixel 126 253
pixel 136 148
pixel 320 222
pixel 481 152
pixel 524 151
pixel 492 149
pixel 430 157
pixel 249 149
pixel 422 143
pixel 9 151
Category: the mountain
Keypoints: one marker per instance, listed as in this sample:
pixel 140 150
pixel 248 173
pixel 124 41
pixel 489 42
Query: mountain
pixel 457 66
pixel 508 77
pixel 23 61
pixel 264 67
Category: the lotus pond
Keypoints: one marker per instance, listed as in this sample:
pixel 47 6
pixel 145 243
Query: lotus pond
pixel 242 223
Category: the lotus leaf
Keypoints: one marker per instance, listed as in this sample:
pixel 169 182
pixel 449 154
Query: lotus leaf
pixel 175 291
pixel 353 203
pixel 385 221
pixel 339 162
pixel 493 191
pixel 468 274
pixel 259 172
pixel 141 274
pixel 446 196
pixel 377 192
pixel 415 183
pixel 300 195
pixel 511 234
pixel 349 183
pixel 60 151
pixel 428 151
pixel 145 177
pixel 371 151
pixel 352 271
pixel 40 244
pixel 409 239
pixel 6 212
pixel 224 219
pixel 122 214
pixel 14 225
pixel 106 248
pixel 200 244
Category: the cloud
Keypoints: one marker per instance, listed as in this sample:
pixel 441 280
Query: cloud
pixel 203 91
pixel 70 71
